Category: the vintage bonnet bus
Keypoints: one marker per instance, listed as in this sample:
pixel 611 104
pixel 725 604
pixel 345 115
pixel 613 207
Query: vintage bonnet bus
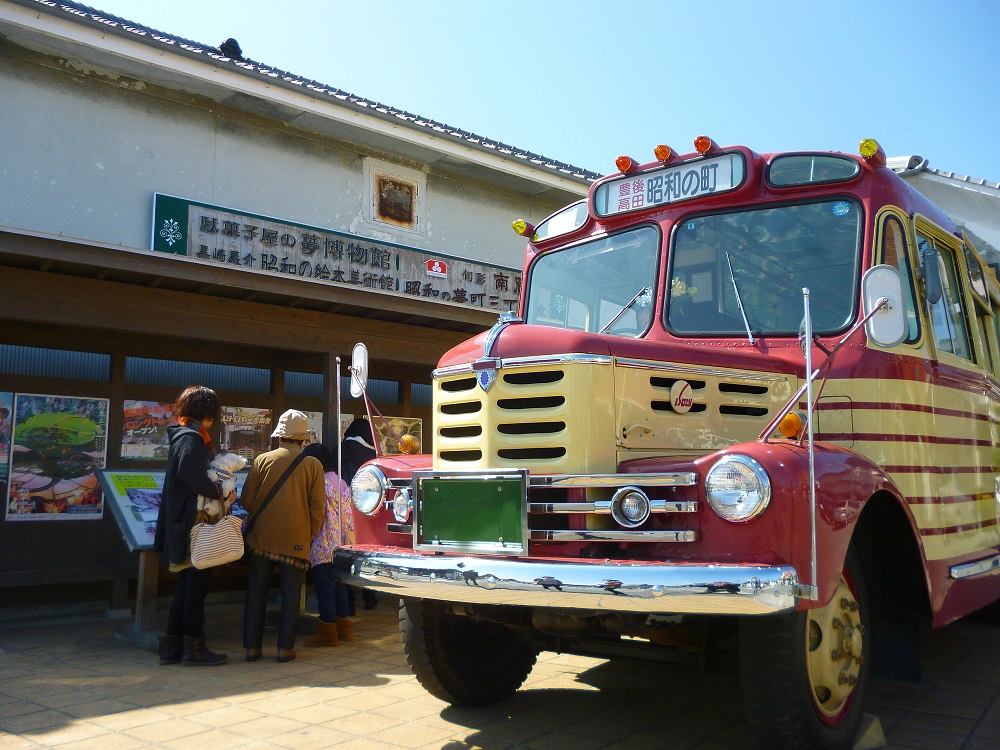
pixel 637 464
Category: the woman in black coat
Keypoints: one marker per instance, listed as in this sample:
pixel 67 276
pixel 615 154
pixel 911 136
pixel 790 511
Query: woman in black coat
pixel 196 410
pixel 356 450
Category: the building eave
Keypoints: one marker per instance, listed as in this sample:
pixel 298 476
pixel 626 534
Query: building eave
pixel 112 46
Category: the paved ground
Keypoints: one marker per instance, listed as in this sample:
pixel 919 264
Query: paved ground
pixel 75 686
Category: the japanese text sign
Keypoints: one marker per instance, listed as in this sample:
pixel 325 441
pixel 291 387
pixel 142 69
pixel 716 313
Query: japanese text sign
pixel 669 184
pixel 259 243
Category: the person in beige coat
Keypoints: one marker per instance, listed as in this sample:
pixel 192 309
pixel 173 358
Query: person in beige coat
pixel 282 532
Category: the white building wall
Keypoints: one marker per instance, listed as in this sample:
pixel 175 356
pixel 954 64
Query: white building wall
pixel 83 154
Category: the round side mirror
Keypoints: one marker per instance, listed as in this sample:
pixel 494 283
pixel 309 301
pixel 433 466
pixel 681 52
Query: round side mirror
pixel 359 370
pixel 888 326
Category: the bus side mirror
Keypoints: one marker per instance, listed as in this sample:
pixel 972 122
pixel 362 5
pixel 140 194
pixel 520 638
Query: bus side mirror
pixel 359 370
pixel 932 274
pixel 888 326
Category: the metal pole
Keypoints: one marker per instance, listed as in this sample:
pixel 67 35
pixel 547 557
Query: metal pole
pixel 340 459
pixel 811 591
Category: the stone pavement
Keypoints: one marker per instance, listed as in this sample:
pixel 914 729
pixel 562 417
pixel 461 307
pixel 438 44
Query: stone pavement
pixel 75 686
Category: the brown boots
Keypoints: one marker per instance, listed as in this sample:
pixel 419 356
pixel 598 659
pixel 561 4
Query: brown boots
pixel 196 653
pixel 326 635
pixel 344 630
pixel 331 633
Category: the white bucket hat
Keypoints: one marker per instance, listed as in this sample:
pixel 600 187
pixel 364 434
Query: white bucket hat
pixel 292 425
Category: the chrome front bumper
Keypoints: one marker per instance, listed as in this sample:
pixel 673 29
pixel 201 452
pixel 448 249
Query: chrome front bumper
pixel 654 587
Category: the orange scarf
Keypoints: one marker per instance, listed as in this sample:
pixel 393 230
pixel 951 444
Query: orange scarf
pixel 194 424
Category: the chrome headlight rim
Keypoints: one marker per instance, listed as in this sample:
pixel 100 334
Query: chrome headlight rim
pixel 365 498
pixel 618 499
pixel 756 470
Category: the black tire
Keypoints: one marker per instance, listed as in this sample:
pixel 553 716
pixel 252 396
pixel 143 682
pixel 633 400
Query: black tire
pixel 803 683
pixel 462 661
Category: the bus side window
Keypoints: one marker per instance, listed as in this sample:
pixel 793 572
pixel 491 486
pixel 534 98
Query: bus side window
pixel 948 315
pixel 988 329
pixel 894 254
pixel 993 339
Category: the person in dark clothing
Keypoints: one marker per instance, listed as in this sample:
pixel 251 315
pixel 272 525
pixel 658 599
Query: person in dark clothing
pixel 196 410
pixel 357 449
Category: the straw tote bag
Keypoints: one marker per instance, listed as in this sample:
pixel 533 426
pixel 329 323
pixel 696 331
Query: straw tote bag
pixel 217 543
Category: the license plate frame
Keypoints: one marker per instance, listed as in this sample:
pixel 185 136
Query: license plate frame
pixel 477 512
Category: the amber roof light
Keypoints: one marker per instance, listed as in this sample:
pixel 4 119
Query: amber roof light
pixel 703 144
pixel 626 164
pixel 872 152
pixel 663 153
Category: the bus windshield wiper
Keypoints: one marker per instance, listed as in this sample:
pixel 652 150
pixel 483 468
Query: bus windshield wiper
pixel 644 290
pixel 739 300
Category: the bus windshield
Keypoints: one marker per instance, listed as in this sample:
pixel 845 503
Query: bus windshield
pixel 601 286
pixel 761 259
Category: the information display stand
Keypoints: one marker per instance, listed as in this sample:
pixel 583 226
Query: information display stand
pixel 134 498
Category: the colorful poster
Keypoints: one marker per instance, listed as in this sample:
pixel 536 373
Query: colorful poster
pixel 6 432
pixel 397 435
pixel 144 435
pixel 58 444
pixel 135 496
pixel 245 431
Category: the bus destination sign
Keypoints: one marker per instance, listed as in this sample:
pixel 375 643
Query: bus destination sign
pixel 670 184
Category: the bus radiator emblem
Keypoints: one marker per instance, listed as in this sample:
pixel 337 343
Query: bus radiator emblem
pixel 681 399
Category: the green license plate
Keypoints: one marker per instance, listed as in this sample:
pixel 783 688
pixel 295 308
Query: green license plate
pixel 472 513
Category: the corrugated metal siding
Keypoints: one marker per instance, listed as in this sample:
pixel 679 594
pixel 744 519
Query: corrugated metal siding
pixel 421 394
pixel 182 374
pixel 311 384
pixel 54 363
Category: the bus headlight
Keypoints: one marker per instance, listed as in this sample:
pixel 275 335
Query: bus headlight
pixel 738 488
pixel 368 489
pixel 402 505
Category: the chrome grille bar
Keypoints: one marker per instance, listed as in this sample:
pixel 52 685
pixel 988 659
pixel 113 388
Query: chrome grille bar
pixel 655 506
pixel 542 535
pixel 674 479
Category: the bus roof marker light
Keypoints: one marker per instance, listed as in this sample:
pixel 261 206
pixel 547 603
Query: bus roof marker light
pixel 523 228
pixel 705 145
pixel 663 153
pixel 626 164
pixel 872 152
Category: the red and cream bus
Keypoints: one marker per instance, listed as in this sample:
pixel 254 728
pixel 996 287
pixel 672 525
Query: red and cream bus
pixel 637 463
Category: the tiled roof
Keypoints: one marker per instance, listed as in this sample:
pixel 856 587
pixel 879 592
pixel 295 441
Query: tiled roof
pixel 122 27
pixel 914 164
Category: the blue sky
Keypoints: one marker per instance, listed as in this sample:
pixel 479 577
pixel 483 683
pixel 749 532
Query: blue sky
pixel 583 81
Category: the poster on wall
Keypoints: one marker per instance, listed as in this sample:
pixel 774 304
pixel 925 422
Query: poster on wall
pixel 144 434
pixel 316 425
pixel 134 497
pixel 398 435
pixel 57 445
pixel 245 431
pixel 6 432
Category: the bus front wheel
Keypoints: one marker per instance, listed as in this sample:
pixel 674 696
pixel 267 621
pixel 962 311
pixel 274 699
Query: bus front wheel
pixel 460 660
pixel 805 674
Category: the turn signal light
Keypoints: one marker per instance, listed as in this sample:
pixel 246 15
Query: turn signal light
pixel 872 152
pixel 626 164
pixel 791 425
pixel 703 144
pixel 523 228
pixel 663 153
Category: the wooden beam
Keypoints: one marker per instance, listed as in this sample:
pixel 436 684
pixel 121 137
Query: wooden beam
pixel 62 300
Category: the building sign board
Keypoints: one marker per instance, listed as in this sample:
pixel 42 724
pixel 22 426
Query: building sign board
pixel 283 248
